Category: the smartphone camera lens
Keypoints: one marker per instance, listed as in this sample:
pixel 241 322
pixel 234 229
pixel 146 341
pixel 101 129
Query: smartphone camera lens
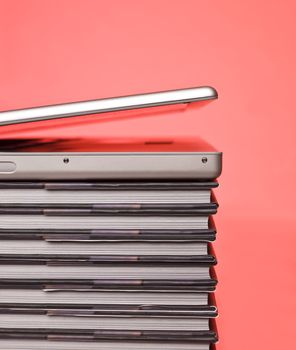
pixel 66 160
pixel 204 159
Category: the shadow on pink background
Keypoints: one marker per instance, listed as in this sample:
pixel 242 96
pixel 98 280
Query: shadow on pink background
pixel 59 51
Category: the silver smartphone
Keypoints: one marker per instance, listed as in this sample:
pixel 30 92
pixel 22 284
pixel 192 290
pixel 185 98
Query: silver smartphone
pixel 39 159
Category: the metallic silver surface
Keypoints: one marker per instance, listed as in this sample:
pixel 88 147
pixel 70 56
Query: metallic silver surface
pixel 107 105
pixel 124 165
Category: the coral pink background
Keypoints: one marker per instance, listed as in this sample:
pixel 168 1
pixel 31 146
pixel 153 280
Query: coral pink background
pixel 57 51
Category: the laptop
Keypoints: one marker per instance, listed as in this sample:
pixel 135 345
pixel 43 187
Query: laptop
pixel 26 157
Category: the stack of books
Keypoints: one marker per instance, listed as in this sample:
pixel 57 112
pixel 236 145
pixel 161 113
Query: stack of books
pixel 107 265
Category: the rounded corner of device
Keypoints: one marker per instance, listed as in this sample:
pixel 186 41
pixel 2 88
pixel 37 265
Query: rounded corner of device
pixel 215 164
pixel 219 166
pixel 218 172
pixel 211 92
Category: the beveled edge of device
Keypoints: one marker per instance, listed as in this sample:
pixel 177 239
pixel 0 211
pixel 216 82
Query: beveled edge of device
pixel 129 165
pixel 123 103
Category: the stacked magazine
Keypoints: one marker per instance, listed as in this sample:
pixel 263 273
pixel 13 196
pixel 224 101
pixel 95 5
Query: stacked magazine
pixel 107 265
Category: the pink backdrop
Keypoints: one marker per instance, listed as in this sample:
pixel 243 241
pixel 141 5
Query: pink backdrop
pixel 57 51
